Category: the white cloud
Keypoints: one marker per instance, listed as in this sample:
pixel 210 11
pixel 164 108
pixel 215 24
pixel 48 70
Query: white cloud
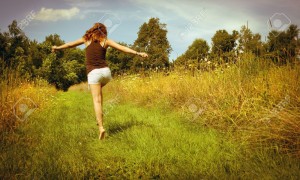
pixel 56 14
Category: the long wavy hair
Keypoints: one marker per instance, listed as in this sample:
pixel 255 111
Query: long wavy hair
pixel 96 33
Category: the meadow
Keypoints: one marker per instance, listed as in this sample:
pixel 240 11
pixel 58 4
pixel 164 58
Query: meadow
pixel 233 121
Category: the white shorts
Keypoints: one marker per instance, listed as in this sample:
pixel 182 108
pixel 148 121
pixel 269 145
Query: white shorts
pixel 99 76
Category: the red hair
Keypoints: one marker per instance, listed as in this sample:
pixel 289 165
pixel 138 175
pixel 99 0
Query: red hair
pixel 96 33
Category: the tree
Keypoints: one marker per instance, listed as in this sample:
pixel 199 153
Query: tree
pixel 292 36
pixel 223 45
pixel 31 59
pixel 36 54
pixel 152 38
pixel 282 45
pixel 51 40
pixel 24 63
pixel 195 53
pixel 3 43
pixel 118 61
pixel 12 40
pixel 249 42
pixel 74 63
pixel 223 42
pixel 64 68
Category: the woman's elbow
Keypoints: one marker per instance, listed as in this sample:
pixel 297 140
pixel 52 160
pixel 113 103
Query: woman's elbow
pixel 127 50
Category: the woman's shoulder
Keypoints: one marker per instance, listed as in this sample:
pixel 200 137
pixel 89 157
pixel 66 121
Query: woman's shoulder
pixel 110 42
pixel 87 43
pixel 107 42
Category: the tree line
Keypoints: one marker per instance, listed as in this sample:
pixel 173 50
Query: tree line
pixel 31 59
pixel 280 47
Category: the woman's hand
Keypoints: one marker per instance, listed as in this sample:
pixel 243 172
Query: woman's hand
pixel 142 54
pixel 54 48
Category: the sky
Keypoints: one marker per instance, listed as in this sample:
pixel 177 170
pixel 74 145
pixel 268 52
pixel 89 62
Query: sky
pixel 186 19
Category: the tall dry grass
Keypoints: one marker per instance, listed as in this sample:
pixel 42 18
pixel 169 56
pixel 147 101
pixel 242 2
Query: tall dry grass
pixel 18 95
pixel 254 99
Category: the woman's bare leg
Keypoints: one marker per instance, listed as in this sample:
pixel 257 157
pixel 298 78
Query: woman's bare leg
pixel 96 90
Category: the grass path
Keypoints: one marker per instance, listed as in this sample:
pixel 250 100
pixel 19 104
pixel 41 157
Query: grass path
pixel 61 142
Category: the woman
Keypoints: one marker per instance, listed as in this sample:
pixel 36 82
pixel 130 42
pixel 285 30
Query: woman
pixel 98 73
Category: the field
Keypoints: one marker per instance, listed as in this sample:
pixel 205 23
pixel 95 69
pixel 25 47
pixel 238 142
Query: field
pixel 236 121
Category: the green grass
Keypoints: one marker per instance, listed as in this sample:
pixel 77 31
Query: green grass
pixel 61 141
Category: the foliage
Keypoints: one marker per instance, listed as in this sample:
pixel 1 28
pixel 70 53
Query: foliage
pixel 195 53
pixel 119 62
pixel 223 42
pixel 282 45
pixel 249 42
pixel 32 59
pixel 152 38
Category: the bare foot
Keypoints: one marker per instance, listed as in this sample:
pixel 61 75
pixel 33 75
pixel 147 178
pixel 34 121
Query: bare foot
pixel 102 133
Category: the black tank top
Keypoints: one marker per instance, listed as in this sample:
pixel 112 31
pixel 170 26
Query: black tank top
pixel 95 56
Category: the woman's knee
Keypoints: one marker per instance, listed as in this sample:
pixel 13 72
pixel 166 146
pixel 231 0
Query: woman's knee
pixel 97 99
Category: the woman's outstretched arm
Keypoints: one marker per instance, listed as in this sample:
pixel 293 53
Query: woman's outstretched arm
pixel 69 45
pixel 125 49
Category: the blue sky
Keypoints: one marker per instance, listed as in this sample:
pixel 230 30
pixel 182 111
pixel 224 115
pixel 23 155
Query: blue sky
pixel 186 19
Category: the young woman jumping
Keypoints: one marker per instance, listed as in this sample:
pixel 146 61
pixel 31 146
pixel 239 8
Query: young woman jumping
pixel 98 73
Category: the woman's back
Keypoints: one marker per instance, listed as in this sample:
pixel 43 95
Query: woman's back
pixel 95 56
